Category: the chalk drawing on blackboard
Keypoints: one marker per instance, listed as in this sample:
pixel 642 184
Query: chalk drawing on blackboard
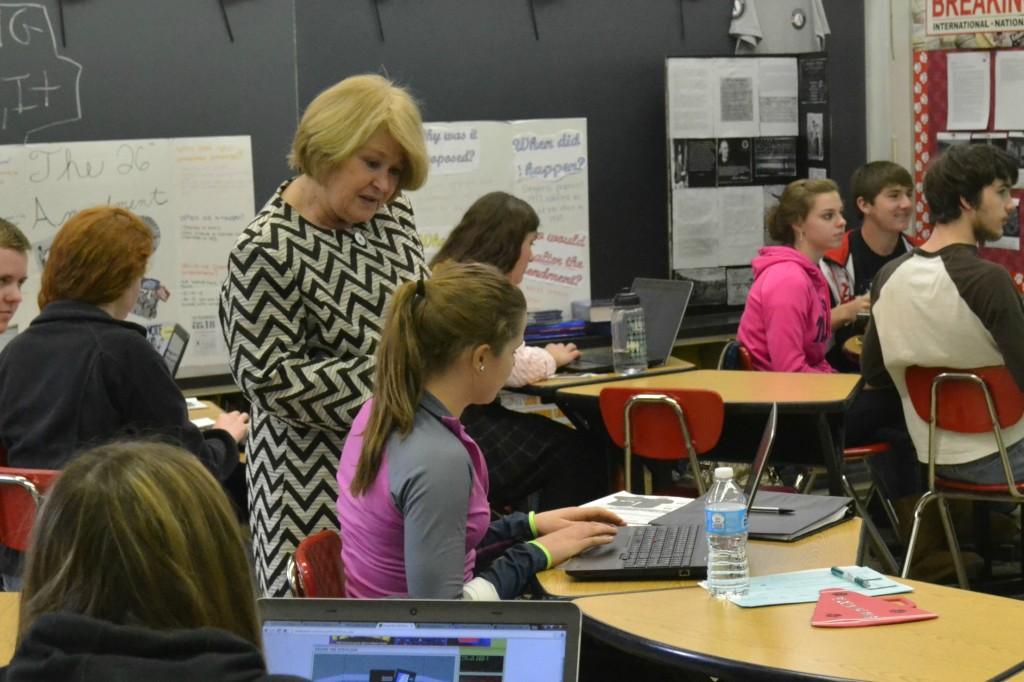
pixel 39 88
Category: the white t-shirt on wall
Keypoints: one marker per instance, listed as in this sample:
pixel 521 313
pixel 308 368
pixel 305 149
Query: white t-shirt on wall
pixel 767 27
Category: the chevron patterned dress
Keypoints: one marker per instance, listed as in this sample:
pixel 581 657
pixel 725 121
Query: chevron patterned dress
pixel 301 309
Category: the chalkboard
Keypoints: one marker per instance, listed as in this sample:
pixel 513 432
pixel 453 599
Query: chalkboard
pixel 599 59
pixel 152 69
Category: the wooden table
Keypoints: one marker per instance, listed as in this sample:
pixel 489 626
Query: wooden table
pixel 9 603
pixel 210 410
pixel 976 637
pixel 836 546
pixel 547 389
pixel 792 391
pixel 853 347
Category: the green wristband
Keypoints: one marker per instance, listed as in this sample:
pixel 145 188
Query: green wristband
pixel 544 549
pixel 533 524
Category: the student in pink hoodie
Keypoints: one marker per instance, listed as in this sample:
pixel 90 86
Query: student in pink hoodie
pixel 786 322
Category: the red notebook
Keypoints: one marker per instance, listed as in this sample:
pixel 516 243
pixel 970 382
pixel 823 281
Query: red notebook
pixel 838 608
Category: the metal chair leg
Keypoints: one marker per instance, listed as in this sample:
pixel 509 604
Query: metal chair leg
pixel 954 546
pixel 884 555
pixel 914 530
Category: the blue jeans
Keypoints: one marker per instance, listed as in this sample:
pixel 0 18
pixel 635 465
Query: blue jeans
pixel 11 583
pixel 988 470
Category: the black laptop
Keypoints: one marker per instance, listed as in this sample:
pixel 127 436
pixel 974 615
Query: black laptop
pixel 664 302
pixel 170 341
pixel 664 552
pixel 404 640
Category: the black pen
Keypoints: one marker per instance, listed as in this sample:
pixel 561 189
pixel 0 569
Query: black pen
pixel 772 510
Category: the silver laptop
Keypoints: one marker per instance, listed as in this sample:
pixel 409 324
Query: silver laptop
pixel 664 302
pixel 399 640
pixel 669 550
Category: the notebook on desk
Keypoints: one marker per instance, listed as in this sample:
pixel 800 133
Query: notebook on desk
pixel 664 302
pixel 666 551
pixel 399 640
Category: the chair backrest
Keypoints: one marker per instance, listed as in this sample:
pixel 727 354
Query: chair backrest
pixel 21 493
pixel 735 356
pixel 655 427
pixel 318 571
pixel 961 403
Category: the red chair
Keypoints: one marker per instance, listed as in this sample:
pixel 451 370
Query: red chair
pixel 315 569
pixel 981 400
pixel 21 494
pixel 671 424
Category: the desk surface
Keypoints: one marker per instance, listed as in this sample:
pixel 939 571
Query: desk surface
pixel 210 410
pixel 8 625
pixel 975 637
pixel 854 346
pixel 547 387
pixel 836 546
pixel 829 392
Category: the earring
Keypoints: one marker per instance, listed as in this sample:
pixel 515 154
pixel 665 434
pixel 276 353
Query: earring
pixel 481 368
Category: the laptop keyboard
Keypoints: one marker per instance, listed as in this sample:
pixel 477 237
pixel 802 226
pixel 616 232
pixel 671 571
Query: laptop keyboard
pixel 660 546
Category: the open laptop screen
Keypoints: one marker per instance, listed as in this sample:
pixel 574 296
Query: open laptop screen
pixel 664 302
pixel 170 341
pixel 418 650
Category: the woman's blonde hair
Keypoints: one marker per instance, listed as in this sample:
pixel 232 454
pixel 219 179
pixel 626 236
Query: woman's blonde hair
pixel 794 206
pixel 342 118
pixel 429 324
pixel 140 533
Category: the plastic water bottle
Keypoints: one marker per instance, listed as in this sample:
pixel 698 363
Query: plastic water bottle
pixel 725 519
pixel 629 334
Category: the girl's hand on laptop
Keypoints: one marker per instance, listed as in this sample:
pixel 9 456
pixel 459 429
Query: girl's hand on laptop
pixel 563 353
pixel 569 541
pixel 557 519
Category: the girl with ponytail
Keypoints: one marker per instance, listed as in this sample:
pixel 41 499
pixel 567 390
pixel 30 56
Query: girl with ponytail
pixel 412 484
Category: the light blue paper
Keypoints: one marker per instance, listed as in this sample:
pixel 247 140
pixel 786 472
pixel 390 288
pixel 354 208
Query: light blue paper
pixel 798 587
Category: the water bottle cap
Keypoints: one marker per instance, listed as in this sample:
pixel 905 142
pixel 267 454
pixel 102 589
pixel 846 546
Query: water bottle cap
pixel 723 473
pixel 626 298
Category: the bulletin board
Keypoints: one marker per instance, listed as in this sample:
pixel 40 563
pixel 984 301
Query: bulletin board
pixel 739 130
pixel 968 88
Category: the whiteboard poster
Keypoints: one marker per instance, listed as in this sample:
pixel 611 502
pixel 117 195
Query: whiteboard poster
pixel 196 194
pixel 543 162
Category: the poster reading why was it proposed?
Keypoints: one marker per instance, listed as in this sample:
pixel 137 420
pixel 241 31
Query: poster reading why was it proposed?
pixel 543 162
pixel 195 194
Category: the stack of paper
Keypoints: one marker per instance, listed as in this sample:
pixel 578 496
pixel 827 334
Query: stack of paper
pixel 639 510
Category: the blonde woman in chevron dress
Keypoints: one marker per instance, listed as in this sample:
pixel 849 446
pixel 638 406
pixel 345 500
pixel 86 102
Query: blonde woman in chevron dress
pixel 303 302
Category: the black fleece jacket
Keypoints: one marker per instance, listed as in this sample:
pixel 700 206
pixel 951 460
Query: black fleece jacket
pixel 77 377
pixel 75 648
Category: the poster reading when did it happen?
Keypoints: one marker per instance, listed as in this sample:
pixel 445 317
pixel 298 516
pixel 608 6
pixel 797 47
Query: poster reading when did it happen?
pixel 544 162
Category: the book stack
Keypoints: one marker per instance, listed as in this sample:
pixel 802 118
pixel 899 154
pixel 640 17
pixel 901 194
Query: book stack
pixel 547 325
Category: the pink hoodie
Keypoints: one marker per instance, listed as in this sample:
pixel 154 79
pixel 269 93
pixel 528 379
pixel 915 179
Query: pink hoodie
pixel 786 322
